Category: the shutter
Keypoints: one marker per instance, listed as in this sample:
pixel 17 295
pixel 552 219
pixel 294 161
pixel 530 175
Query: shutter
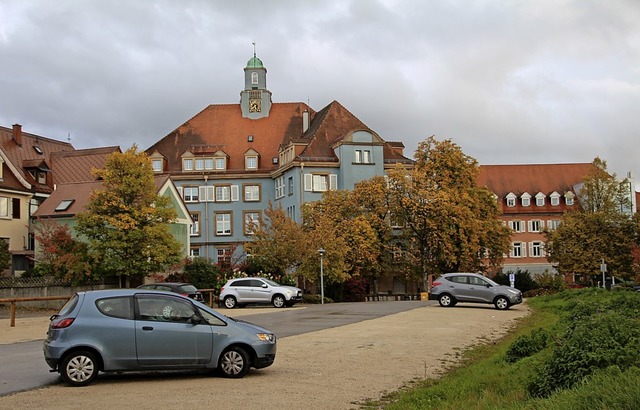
pixel 202 193
pixel 235 192
pixel 531 248
pixel 530 226
pixel 180 192
pixel 333 182
pixel 210 194
pixel 524 249
pixel 308 182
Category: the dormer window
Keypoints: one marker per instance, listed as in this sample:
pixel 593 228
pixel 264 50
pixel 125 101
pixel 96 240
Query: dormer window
pixel 511 200
pixel 525 199
pixel 42 177
pixel 156 164
pixel 569 197
pixel 187 164
pixel 540 199
pixel 251 162
pixel 220 163
pixel 555 199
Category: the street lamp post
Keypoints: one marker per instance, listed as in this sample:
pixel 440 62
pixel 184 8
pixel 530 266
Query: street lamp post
pixel 321 252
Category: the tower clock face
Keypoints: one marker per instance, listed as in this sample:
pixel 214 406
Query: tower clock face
pixel 254 106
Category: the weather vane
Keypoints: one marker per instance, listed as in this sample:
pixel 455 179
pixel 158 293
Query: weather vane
pixel 254 48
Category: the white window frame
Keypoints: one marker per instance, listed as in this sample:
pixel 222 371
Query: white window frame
pixel 251 193
pixel 199 164
pixel 223 223
pixel 540 199
pixel 254 78
pixel 223 193
pixel 569 198
pixel 536 249
pixel 187 193
pixel 511 200
pixel 516 225
pixel 525 199
pixel 220 163
pixel 279 187
pixel 357 156
pixel 518 250
pixel 187 164
pixel 366 156
pixel 194 229
pixel 320 182
pixel 553 224
pixel 535 225
pixel 251 162
pixel 249 217
pixel 554 199
pixel 5 211
pixel 156 165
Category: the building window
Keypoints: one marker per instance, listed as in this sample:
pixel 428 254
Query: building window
pixel 208 163
pixel 553 224
pixel 536 249
pixel 195 228
pixel 279 187
pixel 223 223
pixel 251 162
pixel 516 226
pixel 221 163
pixel 4 207
pixel 251 220
pixel 254 78
pixel 320 182
pixel 187 164
pixel 64 205
pixel 525 199
pixel 540 199
pixel 517 250
pixel 223 193
pixel 42 177
pixel 190 194
pixel 156 164
pixel 290 183
pixel 511 200
pixel 199 164
pixel 224 255
pixel 568 198
pixel 358 158
pixel 536 225
pixel 555 199
pixel 251 193
pixel 194 252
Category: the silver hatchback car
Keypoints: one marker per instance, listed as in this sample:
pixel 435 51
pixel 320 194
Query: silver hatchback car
pixel 451 288
pixel 135 329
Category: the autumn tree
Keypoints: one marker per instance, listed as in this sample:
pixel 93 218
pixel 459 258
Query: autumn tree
pixel 278 242
pixel 450 224
pixel 61 255
pixel 126 222
pixel 602 229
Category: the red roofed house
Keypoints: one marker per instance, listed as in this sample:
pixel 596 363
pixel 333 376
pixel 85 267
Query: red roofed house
pixel 230 160
pixel 532 197
pixel 25 182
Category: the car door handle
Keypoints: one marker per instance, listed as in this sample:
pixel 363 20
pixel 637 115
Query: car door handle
pixel 147 328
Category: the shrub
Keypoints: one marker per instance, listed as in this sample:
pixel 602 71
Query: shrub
pixel 523 280
pixel 551 282
pixel 314 299
pixel 527 345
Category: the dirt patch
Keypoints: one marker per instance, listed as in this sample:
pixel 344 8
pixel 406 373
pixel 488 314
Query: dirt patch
pixel 329 369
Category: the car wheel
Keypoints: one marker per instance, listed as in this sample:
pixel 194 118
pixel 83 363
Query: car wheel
pixel 230 302
pixel 234 363
pixel 446 300
pixel 278 301
pixel 79 368
pixel 501 303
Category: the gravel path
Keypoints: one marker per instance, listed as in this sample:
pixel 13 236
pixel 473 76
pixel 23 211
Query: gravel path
pixel 335 368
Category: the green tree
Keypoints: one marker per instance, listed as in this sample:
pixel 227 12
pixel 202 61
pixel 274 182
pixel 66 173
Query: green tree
pixel 601 229
pixel 450 224
pixel 127 222
pixel 278 242
pixel 203 274
pixel 5 255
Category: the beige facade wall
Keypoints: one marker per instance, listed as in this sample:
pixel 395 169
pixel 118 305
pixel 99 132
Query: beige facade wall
pixel 15 230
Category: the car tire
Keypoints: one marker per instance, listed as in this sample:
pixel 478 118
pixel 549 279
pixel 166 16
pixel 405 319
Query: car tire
pixel 501 303
pixel 79 368
pixel 234 363
pixel 446 300
pixel 230 302
pixel 279 301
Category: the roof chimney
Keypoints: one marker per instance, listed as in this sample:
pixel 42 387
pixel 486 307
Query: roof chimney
pixel 305 121
pixel 17 134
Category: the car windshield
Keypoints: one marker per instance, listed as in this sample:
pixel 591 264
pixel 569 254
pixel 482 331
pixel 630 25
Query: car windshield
pixel 491 282
pixel 188 288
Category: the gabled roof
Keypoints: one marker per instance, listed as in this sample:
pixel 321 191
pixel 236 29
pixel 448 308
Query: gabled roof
pixel 77 166
pixel 22 150
pixel 221 127
pixel 532 178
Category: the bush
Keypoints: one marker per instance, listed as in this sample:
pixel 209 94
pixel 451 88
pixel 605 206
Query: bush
pixel 314 299
pixel 523 280
pixel 527 345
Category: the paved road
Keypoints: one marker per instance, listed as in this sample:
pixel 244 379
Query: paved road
pixel 28 370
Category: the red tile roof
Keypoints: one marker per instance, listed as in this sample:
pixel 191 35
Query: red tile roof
pixel 77 166
pixel 26 154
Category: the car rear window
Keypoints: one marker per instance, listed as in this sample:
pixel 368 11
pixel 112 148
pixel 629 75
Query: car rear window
pixel 69 306
pixel 188 288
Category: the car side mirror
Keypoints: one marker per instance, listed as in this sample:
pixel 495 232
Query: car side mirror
pixel 264 285
pixel 488 285
pixel 195 319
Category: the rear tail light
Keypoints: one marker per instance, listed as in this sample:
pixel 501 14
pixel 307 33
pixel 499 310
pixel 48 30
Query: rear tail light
pixel 62 323
pixel 221 289
pixel 436 284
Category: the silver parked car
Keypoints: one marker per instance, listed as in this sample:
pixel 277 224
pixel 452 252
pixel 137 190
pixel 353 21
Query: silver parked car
pixel 242 291
pixel 452 288
pixel 134 329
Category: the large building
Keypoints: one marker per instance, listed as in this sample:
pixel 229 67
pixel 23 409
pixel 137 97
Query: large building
pixel 230 160
pixel 25 182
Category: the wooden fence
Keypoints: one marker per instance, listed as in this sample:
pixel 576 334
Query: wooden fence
pixel 13 302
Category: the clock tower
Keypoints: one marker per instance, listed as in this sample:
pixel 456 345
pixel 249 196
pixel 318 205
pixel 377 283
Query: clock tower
pixel 255 99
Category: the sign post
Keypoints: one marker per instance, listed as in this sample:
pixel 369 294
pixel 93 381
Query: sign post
pixel 512 279
pixel 603 269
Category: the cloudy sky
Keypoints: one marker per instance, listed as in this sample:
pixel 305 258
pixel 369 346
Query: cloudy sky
pixel 511 81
